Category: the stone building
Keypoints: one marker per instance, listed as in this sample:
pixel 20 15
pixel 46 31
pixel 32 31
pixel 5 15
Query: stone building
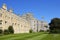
pixel 20 24
pixel 8 18
pixel 36 25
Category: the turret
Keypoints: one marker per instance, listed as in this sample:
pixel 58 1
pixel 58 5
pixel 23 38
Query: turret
pixel 11 10
pixel 4 6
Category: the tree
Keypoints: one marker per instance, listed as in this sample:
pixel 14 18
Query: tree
pixel 55 25
pixel 11 30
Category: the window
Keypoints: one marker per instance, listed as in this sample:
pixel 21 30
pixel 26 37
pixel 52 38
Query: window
pixel 21 25
pixel 34 21
pixel 11 17
pixel 18 24
pixel 34 24
pixel 37 21
pixel 24 26
pixel 6 16
pixel 0 20
pixel 0 23
pixel 5 21
pixel 12 23
pixel 0 15
pixel 0 27
pixel 34 27
pixel 15 23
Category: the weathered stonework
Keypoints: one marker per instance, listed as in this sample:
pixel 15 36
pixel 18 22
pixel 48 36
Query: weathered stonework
pixel 8 18
pixel 20 24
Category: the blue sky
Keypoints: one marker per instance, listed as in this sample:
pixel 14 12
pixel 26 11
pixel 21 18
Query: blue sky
pixel 47 8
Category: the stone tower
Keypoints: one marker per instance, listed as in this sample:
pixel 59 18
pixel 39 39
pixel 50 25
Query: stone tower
pixel 4 6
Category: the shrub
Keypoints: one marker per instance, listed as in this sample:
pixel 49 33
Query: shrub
pixel 47 31
pixel 41 30
pixel 6 32
pixel 1 31
pixel 10 29
pixel 30 31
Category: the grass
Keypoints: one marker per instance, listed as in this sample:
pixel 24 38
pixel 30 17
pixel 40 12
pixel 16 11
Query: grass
pixel 31 36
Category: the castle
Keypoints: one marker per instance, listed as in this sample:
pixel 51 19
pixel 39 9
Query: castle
pixel 20 24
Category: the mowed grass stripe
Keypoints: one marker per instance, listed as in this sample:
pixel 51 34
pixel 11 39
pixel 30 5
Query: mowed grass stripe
pixel 39 37
pixel 27 37
pixel 18 36
pixel 52 37
pixel 11 36
pixel 31 36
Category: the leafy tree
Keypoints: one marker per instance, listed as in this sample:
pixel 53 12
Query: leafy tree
pixel 55 25
pixel 11 30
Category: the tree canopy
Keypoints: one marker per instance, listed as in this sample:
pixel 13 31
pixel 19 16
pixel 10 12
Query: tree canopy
pixel 54 24
pixel 11 30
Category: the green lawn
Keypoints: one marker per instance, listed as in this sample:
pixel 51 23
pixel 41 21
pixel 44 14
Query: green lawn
pixel 31 36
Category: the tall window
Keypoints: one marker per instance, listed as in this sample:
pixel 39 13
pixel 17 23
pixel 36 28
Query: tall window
pixel 15 23
pixel 0 27
pixel 21 25
pixel 12 23
pixel 0 21
pixel 34 25
pixel 5 21
pixel 34 21
pixel 0 15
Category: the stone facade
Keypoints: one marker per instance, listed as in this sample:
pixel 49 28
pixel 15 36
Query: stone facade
pixel 20 24
pixel 36 25
pixel 8 18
